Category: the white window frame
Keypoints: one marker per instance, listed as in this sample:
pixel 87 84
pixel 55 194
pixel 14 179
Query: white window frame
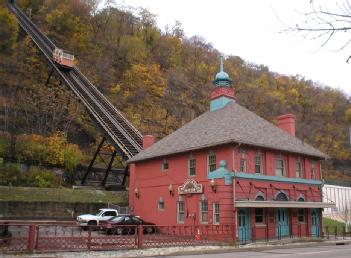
pixel 202 212
pixel 299 172
pixel 313 169
pixel 279 158
pixel 161 200
pixel 165 161
pixel 244 167
pixel 191 158
pixel 260 156
pixel 211 155
pixel 216 213
pixel 180 212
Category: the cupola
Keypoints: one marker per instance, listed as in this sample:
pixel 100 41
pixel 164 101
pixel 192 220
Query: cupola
pixel 223 93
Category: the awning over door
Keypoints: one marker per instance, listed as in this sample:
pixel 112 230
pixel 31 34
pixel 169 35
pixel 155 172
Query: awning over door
pixel 283 204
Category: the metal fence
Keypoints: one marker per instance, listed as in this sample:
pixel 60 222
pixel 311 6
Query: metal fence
pixel 63 237
pixel 299 232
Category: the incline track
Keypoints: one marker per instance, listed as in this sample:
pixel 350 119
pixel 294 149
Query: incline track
pixel 121 133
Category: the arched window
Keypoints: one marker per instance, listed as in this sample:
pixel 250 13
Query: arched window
pixel 259 197
pixel 282 197
pixel 301 199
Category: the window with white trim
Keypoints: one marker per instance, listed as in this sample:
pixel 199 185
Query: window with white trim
pixel 180 212
pixel 204 211
pixel 216 213
pixel 301 215
pixel 258 162
pixel 165 165
pixel 242 165
pixel 259 215
pixel 313 169
pixel 298 168
pixel 211 161
pixel 279 166
pixel 161 204
pixel 192 166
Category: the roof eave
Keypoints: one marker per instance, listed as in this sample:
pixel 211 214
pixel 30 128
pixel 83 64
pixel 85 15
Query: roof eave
pixel 320 157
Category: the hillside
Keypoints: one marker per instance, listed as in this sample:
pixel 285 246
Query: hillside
pixel 158 79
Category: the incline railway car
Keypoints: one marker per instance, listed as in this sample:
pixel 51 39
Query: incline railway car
pixel 63 59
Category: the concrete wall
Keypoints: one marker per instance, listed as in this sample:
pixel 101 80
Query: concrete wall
pixel 46 210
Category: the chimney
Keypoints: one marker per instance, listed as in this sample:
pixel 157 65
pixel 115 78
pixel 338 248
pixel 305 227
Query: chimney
pixel 287 123
pixel 148 140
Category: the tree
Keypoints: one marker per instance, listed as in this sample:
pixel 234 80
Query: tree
pixel 348 122
pixel 8 31
pixel 327 21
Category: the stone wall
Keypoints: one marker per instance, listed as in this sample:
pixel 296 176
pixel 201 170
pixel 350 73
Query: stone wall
pixel 46 210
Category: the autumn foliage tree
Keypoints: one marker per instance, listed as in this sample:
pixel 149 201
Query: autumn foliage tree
pixel 158 79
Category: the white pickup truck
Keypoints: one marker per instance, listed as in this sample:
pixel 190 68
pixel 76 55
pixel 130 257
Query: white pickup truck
pixel 93 220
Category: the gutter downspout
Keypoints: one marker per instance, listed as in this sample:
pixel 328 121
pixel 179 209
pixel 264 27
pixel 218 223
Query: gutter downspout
pixel 234 185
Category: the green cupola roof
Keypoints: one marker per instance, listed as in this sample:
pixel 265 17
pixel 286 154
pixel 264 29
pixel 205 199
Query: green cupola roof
pixel 222 78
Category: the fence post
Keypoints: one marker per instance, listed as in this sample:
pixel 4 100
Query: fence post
pixel 336 232
pixel 140 236
pixel 31 238
pixel 89 238
pixel 267 233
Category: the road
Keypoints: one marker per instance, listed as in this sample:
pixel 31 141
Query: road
pixel 305 252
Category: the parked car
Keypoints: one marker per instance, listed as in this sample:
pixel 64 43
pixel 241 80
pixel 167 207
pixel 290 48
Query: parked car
pixel 94 220
pixel 127 224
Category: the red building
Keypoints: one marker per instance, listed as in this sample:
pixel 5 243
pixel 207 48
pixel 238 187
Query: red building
pixel 230 166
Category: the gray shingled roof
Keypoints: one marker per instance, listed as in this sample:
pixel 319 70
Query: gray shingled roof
pixel 233 123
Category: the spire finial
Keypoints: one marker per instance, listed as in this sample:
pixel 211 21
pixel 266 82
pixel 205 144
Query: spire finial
pixel 221 67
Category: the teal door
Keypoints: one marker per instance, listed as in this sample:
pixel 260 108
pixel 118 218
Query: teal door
pixel 282 225
pixel 315 223
pixel 244 225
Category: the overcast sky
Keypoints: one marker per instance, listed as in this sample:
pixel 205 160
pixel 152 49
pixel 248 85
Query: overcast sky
pixel 252 30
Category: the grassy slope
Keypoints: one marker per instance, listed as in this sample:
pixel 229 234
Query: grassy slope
pixel 331 224
pixel 60 195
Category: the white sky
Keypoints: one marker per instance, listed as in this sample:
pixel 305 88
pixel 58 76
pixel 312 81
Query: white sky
pixel 251 29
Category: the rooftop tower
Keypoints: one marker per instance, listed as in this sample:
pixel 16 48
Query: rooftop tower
pixel 223 93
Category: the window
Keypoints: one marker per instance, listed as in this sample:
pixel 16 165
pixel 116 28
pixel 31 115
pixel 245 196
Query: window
pixel 258 163
pixel 242 165
pixel 203 211
pixel 243 152
pixel 301 215
pixel 165 164
pixel 161 204
pixel 259 197
pixel 180 211
pixel 211 161
pixel 215 213
pixel 259 215
pixel 298 168
pixel 109 213
pixel 192 165
pixel 313 171
pixel 279 166
pixel 281 197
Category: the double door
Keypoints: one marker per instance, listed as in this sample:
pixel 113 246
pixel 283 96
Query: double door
pixel 244 224
pixel 282 223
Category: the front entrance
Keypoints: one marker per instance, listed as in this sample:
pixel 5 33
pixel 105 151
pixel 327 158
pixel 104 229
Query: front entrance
pixel 282 224
pixel 244 225
pixel 315 223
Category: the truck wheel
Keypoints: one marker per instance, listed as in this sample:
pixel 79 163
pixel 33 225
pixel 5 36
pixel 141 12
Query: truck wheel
pixel 119 231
